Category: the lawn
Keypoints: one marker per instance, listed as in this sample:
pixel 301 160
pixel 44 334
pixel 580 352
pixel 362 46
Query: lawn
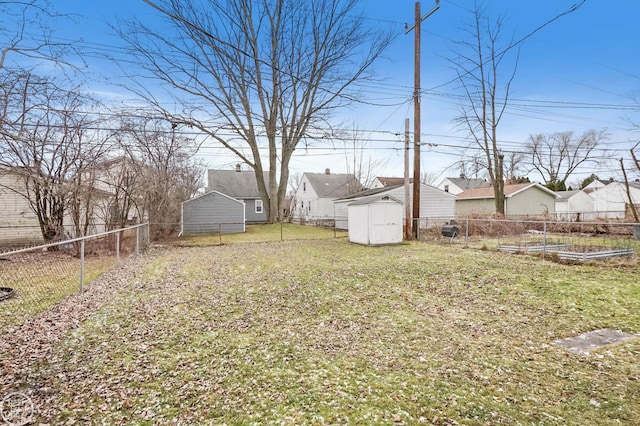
pixel 327 332
pixel 262 233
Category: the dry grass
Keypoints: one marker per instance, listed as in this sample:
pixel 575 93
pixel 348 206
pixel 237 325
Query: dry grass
pixel 326 332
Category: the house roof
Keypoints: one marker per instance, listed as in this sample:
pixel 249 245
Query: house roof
pixel 373 198
pixel 242 184
pixel 469 183
pixel 333 185
pixel 392 181
pixel 509 191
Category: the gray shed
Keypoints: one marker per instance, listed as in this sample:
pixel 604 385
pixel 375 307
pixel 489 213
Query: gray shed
pixel 212 213
pixel 376 220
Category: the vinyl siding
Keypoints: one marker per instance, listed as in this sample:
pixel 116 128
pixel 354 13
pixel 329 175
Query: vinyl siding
pixel 212 213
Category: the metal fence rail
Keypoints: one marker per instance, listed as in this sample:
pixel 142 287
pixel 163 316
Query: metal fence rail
pixel 575 241
pixel 33 279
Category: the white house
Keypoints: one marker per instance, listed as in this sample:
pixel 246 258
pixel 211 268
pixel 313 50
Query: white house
pixel 574 205
pixel 381 181
pixel 460 184
pixel 434 203
pixel 611 200
pixel 316 193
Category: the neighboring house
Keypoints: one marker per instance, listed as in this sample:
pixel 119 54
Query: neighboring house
pixel 243 186
pixel 460 184
pixel 596 184
pixel 316 193
pixel 574 205
pixel 212 213
pixel 18 222
pixel 434 203
pixel 381 182
pixel 525 199
pixel 612 202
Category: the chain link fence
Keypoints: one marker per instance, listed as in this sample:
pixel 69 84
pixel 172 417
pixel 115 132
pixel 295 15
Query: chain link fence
pixel 570 241
pixel 35 278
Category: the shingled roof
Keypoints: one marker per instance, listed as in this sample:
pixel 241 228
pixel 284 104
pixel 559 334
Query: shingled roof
pixel 236 184
pixel 333 185
pixel 465 183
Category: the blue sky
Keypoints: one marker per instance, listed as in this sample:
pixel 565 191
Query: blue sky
pixel 579 72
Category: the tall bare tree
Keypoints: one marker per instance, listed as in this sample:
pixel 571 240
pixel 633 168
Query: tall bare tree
pixel 47 139
pixel 486 72
pixel 257 77
pixel 557 156
pixel 358 162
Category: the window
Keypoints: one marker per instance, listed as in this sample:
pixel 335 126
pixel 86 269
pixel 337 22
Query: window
pixel 446 188
pixel 304 187
pixel 309 206
pixel 258 206
pixel 302 205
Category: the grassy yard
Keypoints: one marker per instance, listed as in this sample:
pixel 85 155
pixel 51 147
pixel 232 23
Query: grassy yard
pixel 262 233
pixel 327 332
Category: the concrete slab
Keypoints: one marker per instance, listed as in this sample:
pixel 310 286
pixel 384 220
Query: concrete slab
pixel 587 342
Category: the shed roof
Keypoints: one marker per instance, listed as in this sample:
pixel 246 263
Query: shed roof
pixel 333 185
pixel 373 198
pixel 236 184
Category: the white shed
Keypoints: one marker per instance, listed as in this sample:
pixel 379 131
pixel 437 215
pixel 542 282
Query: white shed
pixel 375 220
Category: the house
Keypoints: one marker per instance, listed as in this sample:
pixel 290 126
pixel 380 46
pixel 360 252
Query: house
pixel 574 205
pixel 19 224
pixel 212 213
pixel 524 199
pixel 243 186
pixel 457 185
pixel 612 202
pixel 376 220
pixel 317 192
pixel 434 203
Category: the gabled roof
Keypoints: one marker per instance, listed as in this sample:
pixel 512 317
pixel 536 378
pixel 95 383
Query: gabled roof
pixel 373 198
pixel 369 192
pixel 392 181
pixel 211 193
pixel 242 184
pixel 469 183
pixel 509 191
pixel 333 185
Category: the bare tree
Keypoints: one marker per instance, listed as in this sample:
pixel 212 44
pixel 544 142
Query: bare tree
pixel 358 162
pixel 158 173
pixel 257 77
pixel 556 156
pixel 47 139
pixel 25 30
pixel 480 63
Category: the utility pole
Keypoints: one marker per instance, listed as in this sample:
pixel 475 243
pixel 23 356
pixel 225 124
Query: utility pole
pixel 416 113
pixel 407 205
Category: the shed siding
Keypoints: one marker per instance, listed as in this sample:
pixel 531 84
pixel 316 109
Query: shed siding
pixel 212 213
pixel 531 202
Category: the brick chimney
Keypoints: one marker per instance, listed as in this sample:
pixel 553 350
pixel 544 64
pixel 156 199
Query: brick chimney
pixel 327 171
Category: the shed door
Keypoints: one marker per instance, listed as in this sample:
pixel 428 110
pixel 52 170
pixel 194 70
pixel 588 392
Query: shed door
pixel 386 223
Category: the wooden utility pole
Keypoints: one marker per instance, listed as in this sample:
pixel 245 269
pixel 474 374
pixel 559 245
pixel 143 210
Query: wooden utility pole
pixel 416 113
pixel 407 205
